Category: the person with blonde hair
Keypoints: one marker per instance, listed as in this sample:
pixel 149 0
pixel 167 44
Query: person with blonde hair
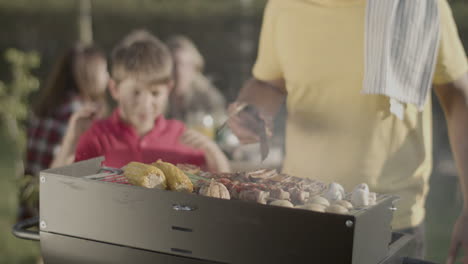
pixel 193 92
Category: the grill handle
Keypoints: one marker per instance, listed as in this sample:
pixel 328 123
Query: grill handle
pixel 180 207
pixel 20 229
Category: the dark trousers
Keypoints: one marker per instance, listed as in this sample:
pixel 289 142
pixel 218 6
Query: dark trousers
pixel 419 233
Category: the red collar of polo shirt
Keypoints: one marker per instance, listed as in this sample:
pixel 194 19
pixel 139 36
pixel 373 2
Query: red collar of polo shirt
pixel 159 124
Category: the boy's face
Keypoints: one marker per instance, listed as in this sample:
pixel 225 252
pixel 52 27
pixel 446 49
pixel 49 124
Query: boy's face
pixel 141 103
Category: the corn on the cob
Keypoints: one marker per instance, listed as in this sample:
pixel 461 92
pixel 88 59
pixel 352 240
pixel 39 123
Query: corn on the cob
pixel 176 179
pixel 145 175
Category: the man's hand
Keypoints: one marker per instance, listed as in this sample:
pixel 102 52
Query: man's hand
pixel 459 238
pixel 248 125
pixel 266 98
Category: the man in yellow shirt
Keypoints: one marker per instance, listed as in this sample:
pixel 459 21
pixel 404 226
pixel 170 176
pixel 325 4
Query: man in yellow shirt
pixel 311 55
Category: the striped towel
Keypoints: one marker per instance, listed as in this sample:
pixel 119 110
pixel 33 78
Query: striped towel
pixel 402 39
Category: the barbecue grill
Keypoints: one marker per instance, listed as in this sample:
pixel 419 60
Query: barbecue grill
pixel 87 216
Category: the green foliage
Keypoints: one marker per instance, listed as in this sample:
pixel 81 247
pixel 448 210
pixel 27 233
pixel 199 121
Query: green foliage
pixel 14 94
pixel 29 191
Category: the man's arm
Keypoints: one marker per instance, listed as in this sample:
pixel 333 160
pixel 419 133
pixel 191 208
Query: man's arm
pixel 453 98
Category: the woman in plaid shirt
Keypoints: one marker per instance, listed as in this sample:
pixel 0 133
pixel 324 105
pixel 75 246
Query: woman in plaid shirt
pixel 79 78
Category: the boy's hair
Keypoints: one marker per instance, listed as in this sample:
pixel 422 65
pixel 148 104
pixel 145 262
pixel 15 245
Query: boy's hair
pixel 142 56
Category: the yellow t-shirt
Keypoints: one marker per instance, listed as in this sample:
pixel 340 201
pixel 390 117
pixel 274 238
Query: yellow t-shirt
pixel 335 133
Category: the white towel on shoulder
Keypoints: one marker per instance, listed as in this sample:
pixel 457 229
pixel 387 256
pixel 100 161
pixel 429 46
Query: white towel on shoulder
pixel 402 40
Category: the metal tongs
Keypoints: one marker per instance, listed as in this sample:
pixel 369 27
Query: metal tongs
pixel 264 148
pixel 105 171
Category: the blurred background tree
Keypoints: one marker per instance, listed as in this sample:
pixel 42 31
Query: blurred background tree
pixel 14 97
pixel 85 21
pixel 14 106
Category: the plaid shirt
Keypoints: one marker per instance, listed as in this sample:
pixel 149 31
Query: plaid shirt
pixel 45 136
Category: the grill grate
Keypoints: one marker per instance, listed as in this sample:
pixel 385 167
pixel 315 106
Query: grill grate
pixel 114 178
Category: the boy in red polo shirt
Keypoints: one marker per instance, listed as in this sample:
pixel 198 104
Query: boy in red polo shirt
pixel 137 130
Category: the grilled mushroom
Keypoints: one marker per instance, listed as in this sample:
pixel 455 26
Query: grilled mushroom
pixel 337 209
pixel 319 200
pixel 345 204
pixel 282 203
pixel 362 186
pixel 280 194
pixel 334 192
pixel 360 198
pixel 254 195
pixel 216 190
pixel 298 196
pixel 372 198
pixel 313 207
